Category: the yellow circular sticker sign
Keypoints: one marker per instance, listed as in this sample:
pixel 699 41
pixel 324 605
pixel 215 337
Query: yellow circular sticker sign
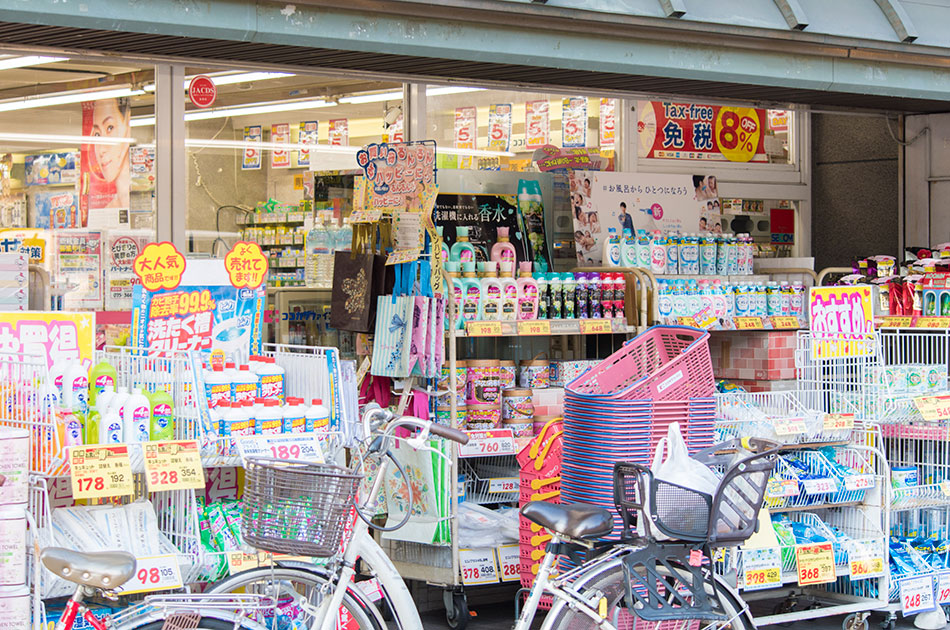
pixel 738 132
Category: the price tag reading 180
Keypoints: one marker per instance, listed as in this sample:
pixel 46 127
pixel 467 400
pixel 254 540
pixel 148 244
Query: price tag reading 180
pixel 153 573
pixel 488 443
pixel 173 466
pixel 917 594
pixel 478 566
pixel 816 563
pixel 100 471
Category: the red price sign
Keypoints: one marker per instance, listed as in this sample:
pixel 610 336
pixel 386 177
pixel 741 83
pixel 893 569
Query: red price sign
pixel 917 594
pixel 173 466
pixel 153 573
pixel 485 443
pixel 816 564
pixel 509 559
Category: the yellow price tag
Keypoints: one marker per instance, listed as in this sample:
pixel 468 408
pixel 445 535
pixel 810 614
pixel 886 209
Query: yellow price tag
pixel 687 321
pixel 483 329
pixel 747 323
pixel 933 408
pixel 816 563
pixel 402 256
pixel 867 568
pixel 784 321
pixel 763 577
pixel 933 322
pixel 839 421
pixel 895 321
pixel 534 327
pixel 365 216
pixel 173 466
pixel 99 472
pixel 595 326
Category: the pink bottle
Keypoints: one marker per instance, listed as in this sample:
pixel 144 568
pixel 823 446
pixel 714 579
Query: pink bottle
pixel 528 297
pixel 503 250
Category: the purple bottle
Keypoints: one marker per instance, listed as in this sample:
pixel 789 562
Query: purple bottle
pixel 581 302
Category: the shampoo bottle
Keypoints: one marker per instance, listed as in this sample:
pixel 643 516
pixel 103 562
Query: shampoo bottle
pixel 91 427
pixel 628 249
pixel 503 250
pixel 462 251
pixel 611 256
pixel 162 421
pixel 527 292
pixel 452 271
pixel 471 293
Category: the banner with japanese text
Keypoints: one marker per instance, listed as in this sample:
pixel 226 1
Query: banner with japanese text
pixel 692 131
pixel 635 201
pixel 574 122
pixel 54 336
pixel 308 133
pixel 537 123
pixel 252 155
pixel 204 312
pixel 120 251
pixel 339 132
pixel 280 134
pixel 608 124
pixel 78 265
pixel 499 127
pixel 841 321
pixel 466 133
pixel 399 175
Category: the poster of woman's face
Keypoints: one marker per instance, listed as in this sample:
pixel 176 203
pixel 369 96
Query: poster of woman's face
pixel 706 187
pixel 105 159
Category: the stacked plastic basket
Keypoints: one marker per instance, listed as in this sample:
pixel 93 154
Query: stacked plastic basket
pixel 621 408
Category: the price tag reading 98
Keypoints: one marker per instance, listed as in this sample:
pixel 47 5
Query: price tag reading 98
pixel 153 573
pixel 100 471
pixel 173 466
pixel 478 566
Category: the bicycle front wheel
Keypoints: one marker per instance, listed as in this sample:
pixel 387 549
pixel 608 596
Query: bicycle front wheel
pixel 298 594
pixel 609 580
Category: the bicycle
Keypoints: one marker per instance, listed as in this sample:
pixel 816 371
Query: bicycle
pixel 273 507
pixel 639 577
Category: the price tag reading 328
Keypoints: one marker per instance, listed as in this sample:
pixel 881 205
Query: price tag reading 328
pixel 173 466
pixel 100 471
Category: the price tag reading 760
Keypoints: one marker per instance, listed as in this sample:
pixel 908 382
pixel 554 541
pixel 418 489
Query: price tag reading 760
pixel 173 466
pixel 485 443
pixel 100 471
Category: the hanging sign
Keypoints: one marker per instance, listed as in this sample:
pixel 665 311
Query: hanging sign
pixel 499 127
pixel 159 266
pixel 173 465
pixel 99 472
pixel 574 122
pixel 838 315
pixel 693 131
pixel 308 133
pixel 202 91
pixel 866 558
pixel 917 594
pixel 280 134
pixel 339 132
pixel 246 265
pixel 252 154
pixel 537 123
pixel 778 119
pixel 400 175
pixel 55 336
pixel 608 124
pixel 933 408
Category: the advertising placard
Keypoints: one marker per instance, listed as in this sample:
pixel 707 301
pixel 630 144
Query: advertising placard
pixel 693 131
pixel 574 122
pixel 56 336
pixel 499 127
pixel 608 124
pixel 79 266
pixel 104 164
pixel 252 155
pixel 280 134
pixel 841 321
pixel 308 133
pixel 537 123
pixel 339 132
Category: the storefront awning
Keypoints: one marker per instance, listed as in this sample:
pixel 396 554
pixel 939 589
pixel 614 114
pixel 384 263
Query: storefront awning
pixel 850 54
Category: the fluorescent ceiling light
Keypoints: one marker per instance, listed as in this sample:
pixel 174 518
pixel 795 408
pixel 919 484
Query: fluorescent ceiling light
pixel 22 62
pixel 474 152
pixel 394 96
pixel 224 112
pixel 229 79
pixel 29 102
pixel 35 138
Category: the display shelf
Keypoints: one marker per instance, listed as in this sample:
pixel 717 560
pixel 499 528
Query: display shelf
pixel 271 218
pixel 814 506
pixel 916 432
pixel 490 481
pixel 933 495
pixel 546 327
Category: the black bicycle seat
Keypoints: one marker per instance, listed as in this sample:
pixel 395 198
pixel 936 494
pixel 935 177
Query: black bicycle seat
pixel 102 569
pixel 577 520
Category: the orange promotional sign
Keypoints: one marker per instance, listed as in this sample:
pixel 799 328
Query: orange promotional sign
pixel 159 266
pixel 246 265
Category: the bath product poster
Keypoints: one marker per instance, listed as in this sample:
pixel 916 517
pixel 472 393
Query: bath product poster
pixel 58 209
pixel 604 200
pixel 105 171
pixel 203 313
pixel 483 215
pixel 78 268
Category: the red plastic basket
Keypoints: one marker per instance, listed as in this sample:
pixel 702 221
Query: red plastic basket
pixel 662 363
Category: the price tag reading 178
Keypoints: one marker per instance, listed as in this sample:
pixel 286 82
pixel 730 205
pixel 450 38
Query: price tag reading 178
pixel 100 471
pixel 173 466
pixel 488 443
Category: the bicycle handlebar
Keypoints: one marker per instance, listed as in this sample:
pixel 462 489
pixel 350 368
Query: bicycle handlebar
pixel 388 418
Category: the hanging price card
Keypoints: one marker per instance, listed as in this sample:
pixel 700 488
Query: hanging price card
pixel 503 484
pixel 486 443
pixel 824 485
pixel 748 323
pixel 153 573
pixel 687 321
pixel 173 466
pixel 917 594
pixel 933 322
pixel 365 216
pixel 816 563
pixel 789 426
pixel 839 421
pixel 239 561
pixel 534 327
pixel 858 482
pixel 478 566
pixel 894 321
pixel 779 488
pixel 761 568
pixel 402 256
pixel 933 408
pixel 305 446
pixel 509 561
pixel 483 329
pixel 866 559
pixel 784 321
pixel 98 472
pixel 595 326
pixel 943 588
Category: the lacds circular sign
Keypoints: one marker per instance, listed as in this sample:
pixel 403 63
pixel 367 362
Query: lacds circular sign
pixel 202 91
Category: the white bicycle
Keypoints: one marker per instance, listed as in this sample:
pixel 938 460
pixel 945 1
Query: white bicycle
pixel 301 509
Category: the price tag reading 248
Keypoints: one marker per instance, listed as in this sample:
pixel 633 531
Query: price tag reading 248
pixel 173 466
pixel 100 471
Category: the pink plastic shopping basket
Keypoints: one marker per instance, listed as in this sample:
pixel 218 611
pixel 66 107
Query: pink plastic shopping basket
pixel 662 363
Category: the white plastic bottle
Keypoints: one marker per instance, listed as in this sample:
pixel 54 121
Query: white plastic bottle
pixel 272 379
pixel 293 415
pixel 111 430
pixel 270 421
pixel 217 386
pixel 118 402
pixel 491 298
pixel 245 385
pixel 76 388
pixel 628 249
pixel 509 299
pixel 56 373
pixel 249 410
pixel 658 253
pixel 136 417
pixel 104 399
pixel 317 417
pixel 611 255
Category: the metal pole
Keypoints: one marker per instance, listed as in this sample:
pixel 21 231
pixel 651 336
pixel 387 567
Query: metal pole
pixel 170 156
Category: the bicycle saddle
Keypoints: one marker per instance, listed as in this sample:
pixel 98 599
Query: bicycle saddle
pixel 103 569
pixel 576 520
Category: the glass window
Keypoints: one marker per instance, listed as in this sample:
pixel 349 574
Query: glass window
pixel 77 179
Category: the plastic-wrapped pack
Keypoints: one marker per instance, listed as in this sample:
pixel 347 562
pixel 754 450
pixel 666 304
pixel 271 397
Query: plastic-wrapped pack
pixel 74 527
pixel 143 528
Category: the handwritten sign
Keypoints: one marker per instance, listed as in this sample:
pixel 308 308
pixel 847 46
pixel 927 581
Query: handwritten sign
pixel 98 472
pixel 761 568
pixel 159 266
pixel 173 466
pixel 246 265
pixel 816 563
pixel 534 327
pixel 483 329
pixel 933 408
pixel 838 315
pixel 402 256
